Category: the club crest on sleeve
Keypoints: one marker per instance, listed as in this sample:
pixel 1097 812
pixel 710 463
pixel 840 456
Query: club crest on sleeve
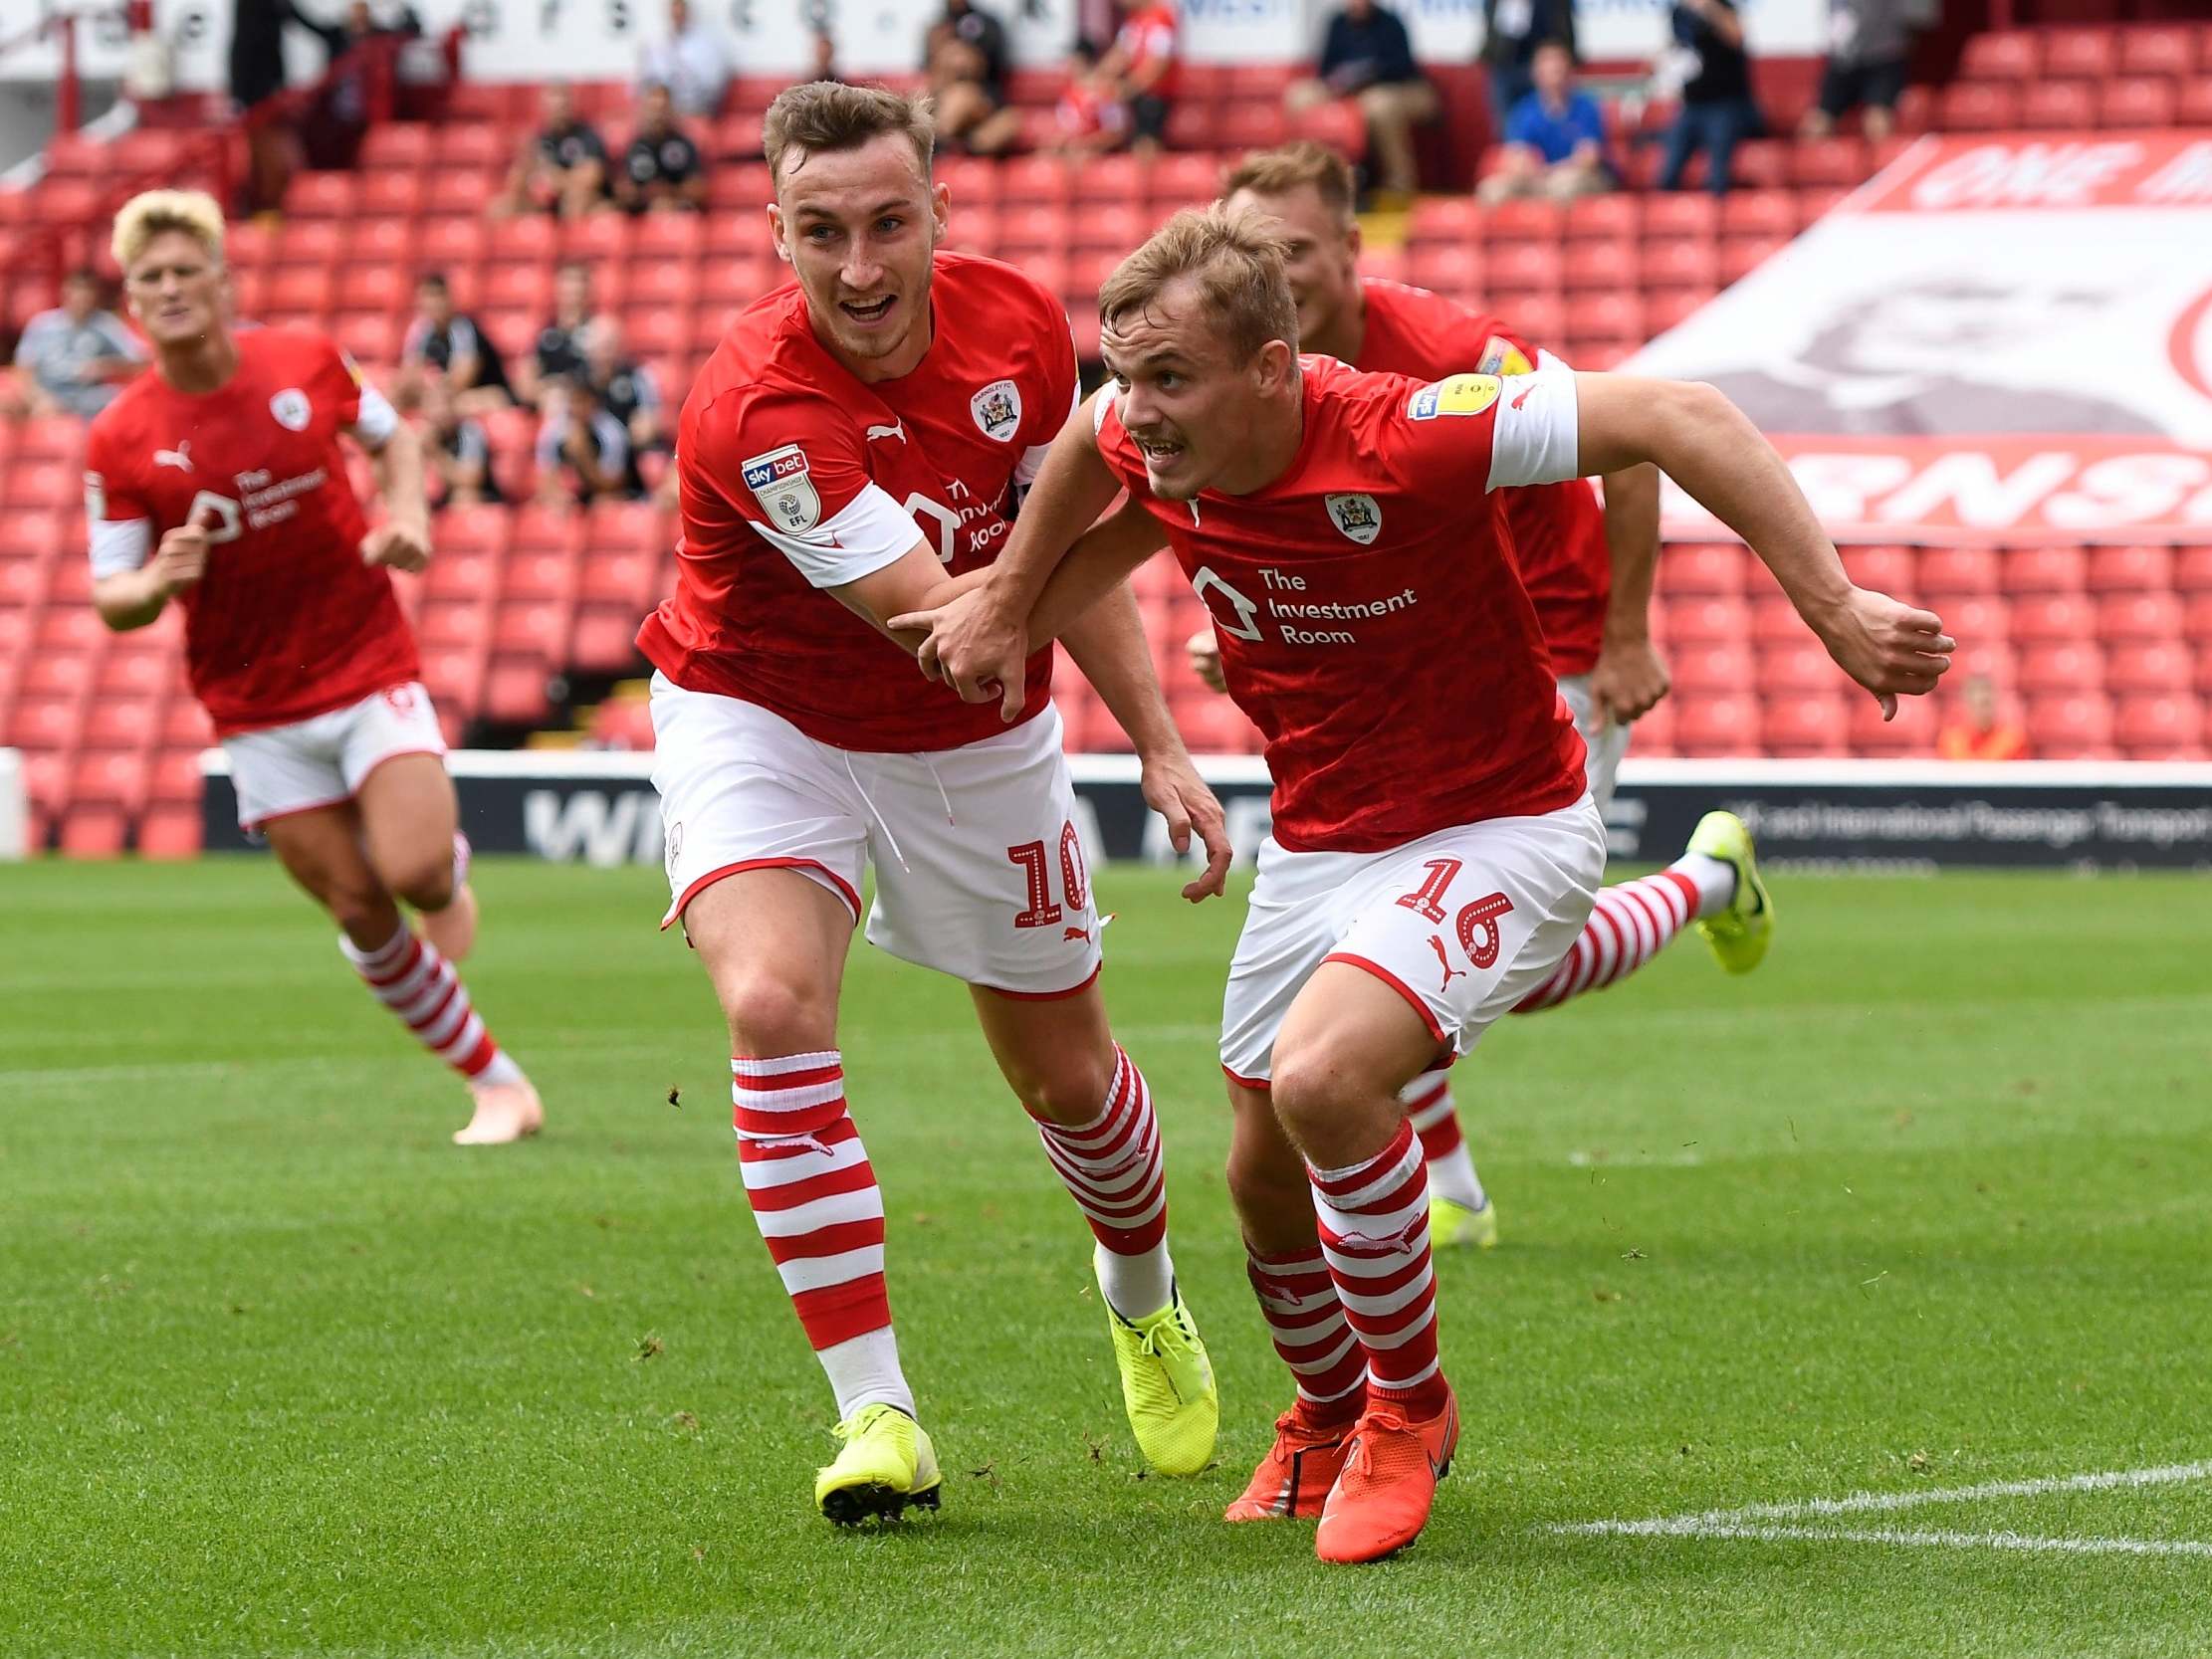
pixel 997 410
pixel 1501 356
pixel 781 483
pixel 1357 516
pixel 292 409
pixel 1463 394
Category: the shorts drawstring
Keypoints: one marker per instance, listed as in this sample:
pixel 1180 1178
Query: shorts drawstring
pixel 941 795
pixel 875 813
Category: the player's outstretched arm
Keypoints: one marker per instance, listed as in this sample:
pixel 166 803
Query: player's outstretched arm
pixel 1709 447
pixel 402 541
pixel 1630 677
pixel 980 643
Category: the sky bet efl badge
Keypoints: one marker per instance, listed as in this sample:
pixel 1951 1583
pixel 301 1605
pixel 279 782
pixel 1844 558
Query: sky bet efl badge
pixel 778 480
pixel 1463 394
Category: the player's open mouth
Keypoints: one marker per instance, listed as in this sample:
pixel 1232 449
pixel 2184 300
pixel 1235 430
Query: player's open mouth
pixel 874 312
pixel 1160 455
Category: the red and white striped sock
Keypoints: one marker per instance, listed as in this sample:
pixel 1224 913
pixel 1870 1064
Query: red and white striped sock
pixel 409 977
pixel 1374 1223
pixel 1436 1119
pixel 1628 926
pixel 1112 1166
pixel 815 1199
pixel 1305 1321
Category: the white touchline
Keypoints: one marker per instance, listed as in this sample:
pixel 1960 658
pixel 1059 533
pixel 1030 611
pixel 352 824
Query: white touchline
pixel 1687 1527
pixel 1745 1523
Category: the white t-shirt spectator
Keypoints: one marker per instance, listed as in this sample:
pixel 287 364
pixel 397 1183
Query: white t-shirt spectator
pixel 58 353
pixel 693 67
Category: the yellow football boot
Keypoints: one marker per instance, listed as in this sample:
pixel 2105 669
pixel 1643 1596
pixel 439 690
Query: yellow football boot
pixel 1739 935
pixel 1451 1224
pixel 887 1467
pixel 1166 1384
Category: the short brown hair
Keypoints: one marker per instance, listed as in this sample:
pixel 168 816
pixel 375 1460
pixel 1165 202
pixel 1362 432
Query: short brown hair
pixel 1238 264
pixel 1278 171
pixel 820 116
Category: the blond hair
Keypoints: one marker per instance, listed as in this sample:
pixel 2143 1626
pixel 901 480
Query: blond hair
pixel 1278 171
pixel 1236 263
pixel 151 213
pixel 824 116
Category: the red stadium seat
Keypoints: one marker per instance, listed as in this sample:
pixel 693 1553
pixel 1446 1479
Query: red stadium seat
pixel 170 831
pixel 1680 263
pixel 1740 256
pixel 2009 55
pixel 1830 164
pixel 2163 666
pixel 470 144
pixel 321 196
pixel 2192 572
pixel 1184 180
pixel 2196 103
pixel 669 236
pixel 1760 164
pixel 1807 724
pixel 2141 569
pixel 2157 51
pixel 1723 621
pixel 184 725
pixel 455 675
pixel 1607 265
pixel 1524 220
pixel 1618 317
pixel 1614 217
pixel 1867 734
pixel 2140 616
pixel 1663 310
pixel 2079 54
pixel 2043 570
pixel 2071 727
pixel 1765 213
pixel 1454 220
pixel 1717 725
pixel 1443 267
pixel 1681 215
pixel 1115 227
pixel 2058 106
pixel 452 244
pixel 389 195
pixel 22 582
pixel 2145 103
pixel 1798 664
pixel 603 639
pixel 1892 569
pixel 1943 572
pixel 1712 667
pixel 540 573
pixel 175 776
pixel 98 831
pixel 1979 106
pixel 2159 727
pixel 1701 567
pixel 514 691
pixel 2053 616
pixel 2062 666
pixel 1035 178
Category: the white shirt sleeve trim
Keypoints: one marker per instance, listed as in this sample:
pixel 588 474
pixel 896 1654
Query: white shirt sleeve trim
pixel 874 530
pixel 1537 435
pixel 376 421
pixel 119 545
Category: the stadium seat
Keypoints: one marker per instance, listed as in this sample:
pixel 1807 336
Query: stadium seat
pixel 1725 621
pixel 1701 567
pixel 469 145
pixel 389 195
pixel 1522 266
pixel 1774 620
pixel 1892 569
pixel 540 573
pixel 1712 665
pixel 49 437
pixel 2043 570
pixel 1524 219
pixel 1740 256
pixel 2054 666
pixel 1979 106
pixel 321 196
pixel 1944 571
pixel 2158 51
pixel 1617 215
pixel 1867 734
pixel 1680 263
pixel 2161 726
pixel 514 690
pixel 170 831
pixel 2145 103
pixel 2079 54
pixel 1760 213
pixel 1804 723
pixel 2192 569
pixel 2140 616
pixel 2058 106
pixel 1798 664
pixel 2139 569
pixel 2051 616
pixel 2071 727
pixel 2007 55
pixel 1586 265
pixel 1719 724
pixel 97 831
pixel 455 674
pixel 1035 178
pixel 2158 666
pixel 603 638
pixel 1829 163
pixel 2195 109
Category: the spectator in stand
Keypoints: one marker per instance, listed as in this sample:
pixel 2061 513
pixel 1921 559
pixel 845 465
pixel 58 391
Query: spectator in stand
pixel 583 455
pixel 1139 70
pixel 1982 733
pixel 73 359
pixel 559 349
pixel 257 72
pixel 661 171
pixel 451 347
pixel 563 169
pixel 691 62
pixel 1709 63
pixel 1554 139
pixel 825 54
pixel 1367 55
pixel 628 390
pixel 1512 29
pixel 456 448
pixel 965 57
pixel 1090 119
pixel 1866 44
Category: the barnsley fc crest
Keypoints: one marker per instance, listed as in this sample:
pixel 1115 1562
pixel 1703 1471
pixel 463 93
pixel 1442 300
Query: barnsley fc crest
pixel 1357 516
pixel 292 409
pixel 781 483
pixel 997 410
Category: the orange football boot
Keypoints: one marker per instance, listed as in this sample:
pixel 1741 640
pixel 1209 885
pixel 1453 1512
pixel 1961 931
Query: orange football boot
pixel 1392 1465
pixel 1295 1478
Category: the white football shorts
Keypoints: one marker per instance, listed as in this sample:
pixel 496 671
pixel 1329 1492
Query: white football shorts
pixel 285 769
pixel 1464 924
pixel 1605 741
pixel 979 872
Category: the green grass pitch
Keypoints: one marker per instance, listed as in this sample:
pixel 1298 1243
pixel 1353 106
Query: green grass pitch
pixel 1926 1203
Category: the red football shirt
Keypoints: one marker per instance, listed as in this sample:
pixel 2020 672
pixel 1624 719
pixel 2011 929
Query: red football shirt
pixel 1558 528
pixel 1371 621
pixel 796 475
pixel 288 623
pixel 1147 37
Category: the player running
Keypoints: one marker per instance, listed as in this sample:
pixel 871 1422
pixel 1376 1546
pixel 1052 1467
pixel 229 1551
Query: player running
pixel 1588 572
pixel 1426 872
pixel 293 639
pixel 854 439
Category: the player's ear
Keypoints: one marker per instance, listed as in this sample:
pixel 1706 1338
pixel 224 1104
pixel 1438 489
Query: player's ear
pixel 775 232
pixel 1273 366
pixel 941 211
pixel 1352 242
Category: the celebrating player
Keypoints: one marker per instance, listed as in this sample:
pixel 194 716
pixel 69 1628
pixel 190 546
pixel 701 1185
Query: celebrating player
pixel 853 439
pixel 1588 572
pixel 228 452
pixel 1426 871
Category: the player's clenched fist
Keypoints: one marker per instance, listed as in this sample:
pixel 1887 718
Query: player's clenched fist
pixel 1888 646
pixel 1205 658
pixel 181 558
pixel 400 547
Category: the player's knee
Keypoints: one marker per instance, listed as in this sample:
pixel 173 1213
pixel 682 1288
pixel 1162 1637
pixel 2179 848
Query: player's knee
pixel 1068 1089
pixel 769 1014
pixel 1311 1087
pixel 426 883
pixel 364 910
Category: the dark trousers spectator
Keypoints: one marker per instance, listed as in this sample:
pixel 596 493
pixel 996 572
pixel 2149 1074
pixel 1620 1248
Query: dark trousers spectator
pixel 1715 128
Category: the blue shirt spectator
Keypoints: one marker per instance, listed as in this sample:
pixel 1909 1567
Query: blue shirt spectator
pixel 1554 130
